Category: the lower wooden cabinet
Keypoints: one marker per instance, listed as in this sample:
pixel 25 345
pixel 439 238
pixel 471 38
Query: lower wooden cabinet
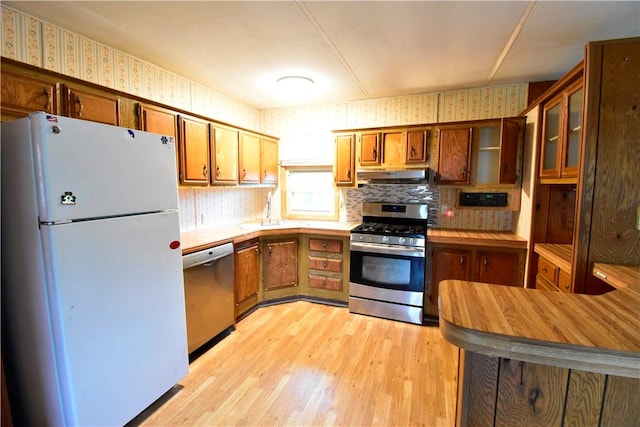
pixel 494 391
pixel 551 277
pixel 476 264
pixel 280 264
pixel 247 275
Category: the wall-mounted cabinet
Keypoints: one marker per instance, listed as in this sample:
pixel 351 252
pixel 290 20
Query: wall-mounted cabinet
pixel 269 160
pixel 344 167
pixel 21 94
pixel 370 149
pixel 392 148
pixel 562 134
pixel 224 155
pixel 454 156
pixel 85 105
pixel 417 148
pixel 193 151
pixel 258 159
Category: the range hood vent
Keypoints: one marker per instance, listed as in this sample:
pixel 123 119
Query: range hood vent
pixel 393 176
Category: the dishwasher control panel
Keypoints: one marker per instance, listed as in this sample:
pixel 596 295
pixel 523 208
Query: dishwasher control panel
pixel 206 255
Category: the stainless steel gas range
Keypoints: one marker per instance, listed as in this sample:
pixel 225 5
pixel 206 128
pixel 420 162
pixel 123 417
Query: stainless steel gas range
pixel 388 261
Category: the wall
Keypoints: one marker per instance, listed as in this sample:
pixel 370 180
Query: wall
pixel 305 132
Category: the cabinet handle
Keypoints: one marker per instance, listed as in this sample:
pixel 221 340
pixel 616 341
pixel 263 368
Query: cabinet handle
pixel 412 152
pixel 374 154
pixel 79 102
pixel 348 173
pixel 244 173
pixel 464 171
pixel 485 262
pixel 324 244
pixel 567 286
pixel 544 269
pixel 217 171
pixel 265 174
pixel 324 264
pixel 269 249
pixel 204 170
pixel 47 91
pixel 461 259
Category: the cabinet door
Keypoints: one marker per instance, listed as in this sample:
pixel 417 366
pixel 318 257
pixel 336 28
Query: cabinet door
pixel 572 134
pixel 158 120
pixel 551 147
pixel 269 160
pixel 500 268
pixel 22 94
pixel 393 148
pixel 416 151
pixel 454 158
pixel 448 264
pixel 224 161
pixel 84 105
pixel 194 151
pixel 509 138
pixel 370 149
pixel 345 160
pixel 249 163
pixel 247 272
pixel 280 264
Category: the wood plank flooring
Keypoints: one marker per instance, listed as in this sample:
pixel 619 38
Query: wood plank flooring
pixel 306 364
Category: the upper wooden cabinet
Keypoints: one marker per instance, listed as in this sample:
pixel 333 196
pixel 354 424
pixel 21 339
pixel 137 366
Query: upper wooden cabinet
pixel 370 148
pixel 562 134
pixel 193 151
pixel 224 154
pixel 158 120
pixel 22 94
pixel 417 149
pixel 345 160
pixel 249 147
pixel 269 160
pixel 80 104
pixel 454 156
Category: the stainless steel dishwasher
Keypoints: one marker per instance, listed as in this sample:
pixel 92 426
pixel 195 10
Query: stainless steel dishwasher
pixel 208 289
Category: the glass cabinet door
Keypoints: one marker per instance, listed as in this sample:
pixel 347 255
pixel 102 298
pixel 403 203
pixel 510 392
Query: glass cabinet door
pixel 571 152
pixel 549 166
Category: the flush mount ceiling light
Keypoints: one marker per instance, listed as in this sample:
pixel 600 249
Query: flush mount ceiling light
pixel 295 83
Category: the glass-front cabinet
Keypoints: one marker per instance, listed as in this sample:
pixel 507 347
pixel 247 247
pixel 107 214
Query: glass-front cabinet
pixel 562 130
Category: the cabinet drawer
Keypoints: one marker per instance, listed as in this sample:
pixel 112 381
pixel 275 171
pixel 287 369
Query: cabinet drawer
pixel 544 284
pixel 326 264
pixel 548 270
pixel 326 245
pixel 324 282
pixel 564 281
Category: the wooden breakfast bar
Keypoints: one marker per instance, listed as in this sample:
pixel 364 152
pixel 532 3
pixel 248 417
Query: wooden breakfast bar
pixel 533 357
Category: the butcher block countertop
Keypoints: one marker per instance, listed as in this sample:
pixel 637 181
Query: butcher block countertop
pixel 559 255
pixel 196 240
pixel 584 332
pixel 501 239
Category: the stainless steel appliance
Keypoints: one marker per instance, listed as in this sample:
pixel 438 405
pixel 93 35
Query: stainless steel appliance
pixel 208 292
pixel 388 261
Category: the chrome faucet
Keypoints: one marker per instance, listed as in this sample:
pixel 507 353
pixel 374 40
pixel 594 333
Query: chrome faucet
pixel 269 207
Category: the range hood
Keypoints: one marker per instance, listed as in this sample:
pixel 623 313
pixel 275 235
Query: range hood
pixel 393 176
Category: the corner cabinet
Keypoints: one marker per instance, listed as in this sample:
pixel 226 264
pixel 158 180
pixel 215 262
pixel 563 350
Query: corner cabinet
pixel 193 151
pixel 280 266
pixel 454 156
pixel 345 160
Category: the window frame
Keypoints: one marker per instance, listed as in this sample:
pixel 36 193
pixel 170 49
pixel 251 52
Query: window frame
pixel 285 193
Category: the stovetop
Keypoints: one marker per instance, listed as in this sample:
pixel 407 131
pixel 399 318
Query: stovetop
pixel 406 230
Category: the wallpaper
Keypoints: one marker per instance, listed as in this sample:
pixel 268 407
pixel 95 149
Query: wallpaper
pixel 305 132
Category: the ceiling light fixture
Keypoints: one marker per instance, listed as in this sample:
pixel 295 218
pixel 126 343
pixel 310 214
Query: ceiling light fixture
pixel 295 83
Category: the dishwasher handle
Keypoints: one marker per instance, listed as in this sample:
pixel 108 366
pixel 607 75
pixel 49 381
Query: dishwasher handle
pixel 206 257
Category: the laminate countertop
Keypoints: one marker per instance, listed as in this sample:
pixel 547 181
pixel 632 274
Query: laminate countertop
pixel 195 240
pixel 585 332
pixel 501 239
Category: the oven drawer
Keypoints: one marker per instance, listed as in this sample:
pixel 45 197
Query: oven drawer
pixel 325 264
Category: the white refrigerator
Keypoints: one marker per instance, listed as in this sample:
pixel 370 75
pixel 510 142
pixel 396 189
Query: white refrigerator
pixel 93 314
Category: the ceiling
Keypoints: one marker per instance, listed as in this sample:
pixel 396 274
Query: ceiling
pixel 353 50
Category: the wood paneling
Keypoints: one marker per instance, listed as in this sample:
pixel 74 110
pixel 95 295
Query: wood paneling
pixel 584 398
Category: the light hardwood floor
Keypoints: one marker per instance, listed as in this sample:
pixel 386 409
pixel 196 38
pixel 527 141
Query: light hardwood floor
pixel 306 364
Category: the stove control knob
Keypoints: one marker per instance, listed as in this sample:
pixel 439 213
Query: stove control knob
pixel 370 238
pixel 412 241
pixel 385 239
pixel 401 240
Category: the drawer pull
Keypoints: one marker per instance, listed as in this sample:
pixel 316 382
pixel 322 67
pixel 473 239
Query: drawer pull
pixel 544 269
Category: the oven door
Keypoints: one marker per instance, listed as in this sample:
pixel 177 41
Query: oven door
pixel 398 268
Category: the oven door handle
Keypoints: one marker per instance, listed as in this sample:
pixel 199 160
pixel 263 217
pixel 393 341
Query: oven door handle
pixel 387 249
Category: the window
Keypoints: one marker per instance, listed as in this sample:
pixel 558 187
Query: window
pixel 310 193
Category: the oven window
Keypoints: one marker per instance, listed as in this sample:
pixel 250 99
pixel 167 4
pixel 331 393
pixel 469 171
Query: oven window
pixel 391 271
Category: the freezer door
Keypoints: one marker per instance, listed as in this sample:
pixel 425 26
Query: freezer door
pixel 91 170
pixel 117 314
